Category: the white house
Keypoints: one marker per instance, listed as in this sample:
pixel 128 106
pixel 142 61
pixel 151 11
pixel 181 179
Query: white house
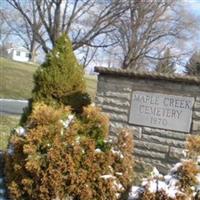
pixel 19 54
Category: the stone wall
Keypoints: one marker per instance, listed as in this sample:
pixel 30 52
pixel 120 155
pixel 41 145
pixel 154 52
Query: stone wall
pixel 159 147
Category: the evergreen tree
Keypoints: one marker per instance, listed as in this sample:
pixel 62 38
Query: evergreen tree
pixel 166 64
pixel 59 80
pixel 193 65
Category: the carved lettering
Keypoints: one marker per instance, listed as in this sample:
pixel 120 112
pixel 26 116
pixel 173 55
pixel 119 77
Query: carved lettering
pixel 161 111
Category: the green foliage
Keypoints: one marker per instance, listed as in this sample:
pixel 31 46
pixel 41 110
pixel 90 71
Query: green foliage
pixel 193 65
pixel 166 64
pixel 77 101
pixel 59 157
pixel 59 80
pixel 59 76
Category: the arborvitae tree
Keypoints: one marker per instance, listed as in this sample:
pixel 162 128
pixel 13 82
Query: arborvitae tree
pixel 60 75
pixel 193 65
pixel 166 64
pixel 59 80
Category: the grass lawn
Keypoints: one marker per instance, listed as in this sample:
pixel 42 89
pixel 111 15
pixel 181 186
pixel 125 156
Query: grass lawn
pixel 7 123
pixel 16 80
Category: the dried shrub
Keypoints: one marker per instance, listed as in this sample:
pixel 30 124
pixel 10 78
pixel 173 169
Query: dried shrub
pixel 62 157
pixel 159 195
pixel 187 175
pixel 193 145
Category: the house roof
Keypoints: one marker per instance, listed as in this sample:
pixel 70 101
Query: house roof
pixel 148 75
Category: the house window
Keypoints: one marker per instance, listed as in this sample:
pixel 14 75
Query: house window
pixel 18 53
pixel 27 55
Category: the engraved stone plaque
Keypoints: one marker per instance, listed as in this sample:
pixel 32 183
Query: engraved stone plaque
pixel 161 111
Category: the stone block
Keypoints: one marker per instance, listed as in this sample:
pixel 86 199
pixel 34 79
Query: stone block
pixel 149 154
pixel 176 153
pixel 165 141
pixel 196 115
pixel 165 133
pixel 119 95
pixel 151 146
pixel 118 117
pixel 197 106
pixel 198 99
pixel 137 131
pixel 192 89
pixel 116 102
pixel 115 109
pixel 195 125
pixel 99 100
pixel 161 165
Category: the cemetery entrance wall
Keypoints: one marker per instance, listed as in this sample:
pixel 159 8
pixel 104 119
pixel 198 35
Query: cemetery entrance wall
pixel 161 110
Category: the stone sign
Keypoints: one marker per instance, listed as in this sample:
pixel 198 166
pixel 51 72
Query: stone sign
pixel 161 111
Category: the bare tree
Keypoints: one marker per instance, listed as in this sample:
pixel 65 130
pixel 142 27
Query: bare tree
pixel 147 28
pixel 138 30
pixel 20 27
pixel 5 31
pixel 84 20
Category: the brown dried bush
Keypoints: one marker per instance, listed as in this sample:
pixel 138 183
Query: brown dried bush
pixel 193 146
pixel 187 175
pixel 53 161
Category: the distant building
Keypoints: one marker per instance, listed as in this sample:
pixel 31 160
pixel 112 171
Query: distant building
pixel 19 54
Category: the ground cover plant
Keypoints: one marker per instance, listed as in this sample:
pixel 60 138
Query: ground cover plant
pixel 62 151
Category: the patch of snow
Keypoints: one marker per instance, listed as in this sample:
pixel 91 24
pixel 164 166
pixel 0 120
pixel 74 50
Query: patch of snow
pixel 20 131
pixel 68 121
pixel 107 176
pixel 134 192
pixel 119 153
pixel 118 186
pixel 119 173
pixel 155 173
pixel 170 184
pixel 78 139
pixel 198 160
pixel 111 169
pixel 185 153
pixel 198 177
pixel 98 150
pixel 57 54
pixel 156 185
pixel 175 168
pixel 93 104
pixel 173 182
pixel 172 192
